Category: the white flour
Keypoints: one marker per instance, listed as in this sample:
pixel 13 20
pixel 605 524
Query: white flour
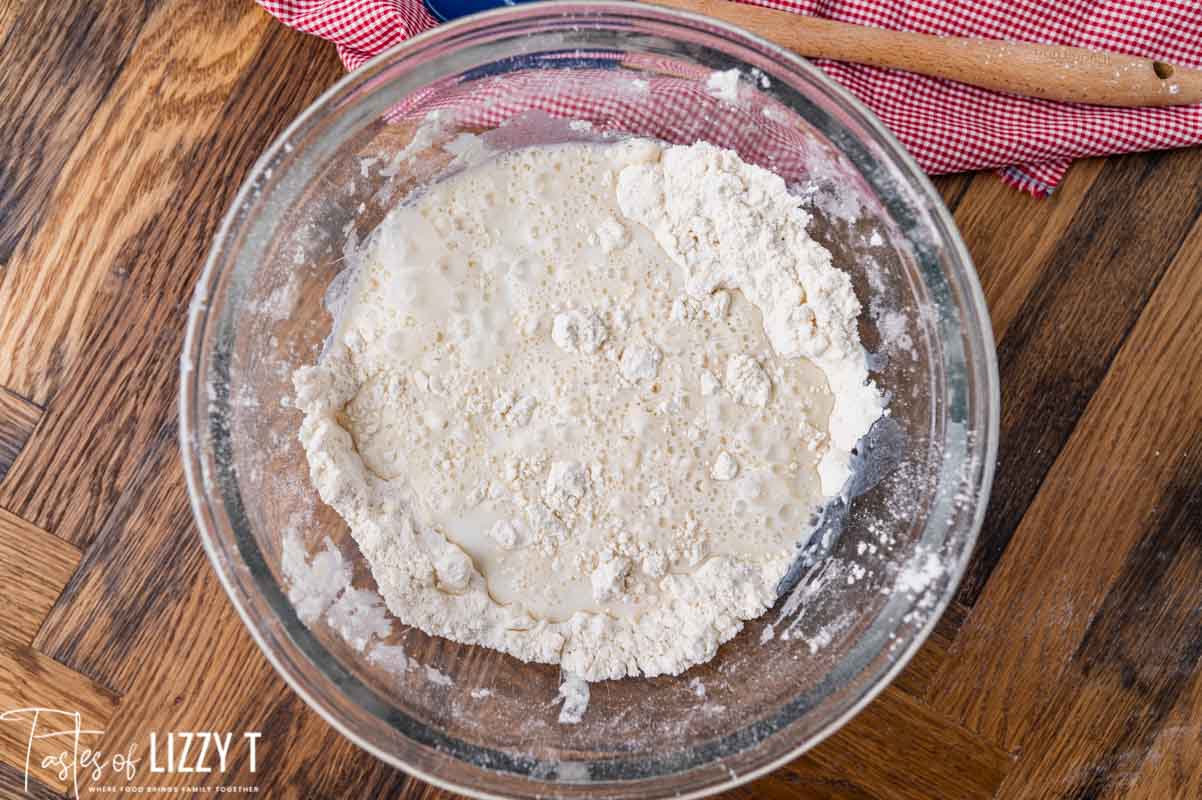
pixel 732 225
pixel 574 694
pixel 581 401
pixel 724 85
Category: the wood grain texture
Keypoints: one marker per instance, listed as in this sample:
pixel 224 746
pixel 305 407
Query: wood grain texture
pixel 1096 280
pixel 30 680
pixel 1012 236
pixel 170 91
pixel 1069 668
pixel 1125 676
pixel 896 749
pixel 110 619
pixel 56 66
pixel 137 330
pixel 147 616
pixel 34 568
pixel 15 783
pixel 1129 468
pixel 18 418
pixel 952 188
pixel 1172 766
pixel 8 15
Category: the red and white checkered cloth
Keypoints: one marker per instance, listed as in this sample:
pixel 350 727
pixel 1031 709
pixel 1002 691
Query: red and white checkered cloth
pixel 947 126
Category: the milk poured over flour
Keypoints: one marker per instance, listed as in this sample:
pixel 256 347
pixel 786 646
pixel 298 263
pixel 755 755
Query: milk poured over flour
pixel 582 401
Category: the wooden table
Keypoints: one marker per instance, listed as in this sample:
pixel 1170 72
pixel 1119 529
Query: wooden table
pixel 1068 667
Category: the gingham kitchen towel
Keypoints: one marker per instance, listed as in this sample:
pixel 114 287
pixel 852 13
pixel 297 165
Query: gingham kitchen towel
pixel 947 126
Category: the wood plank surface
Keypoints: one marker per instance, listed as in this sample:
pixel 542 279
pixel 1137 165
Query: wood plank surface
pixel 171 90
pixel 15 783
pixel 1173 764
pixel 1092 287
pixel 1010 257
pixel 34 568
pixel 897 748
pixel 57 65
pixel 38 693
pixel 1069 667
pixel 137 279
pixel 18 418
pixel 1130 481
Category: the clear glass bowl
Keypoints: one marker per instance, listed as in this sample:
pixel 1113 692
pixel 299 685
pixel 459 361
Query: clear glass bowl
pixel 868 586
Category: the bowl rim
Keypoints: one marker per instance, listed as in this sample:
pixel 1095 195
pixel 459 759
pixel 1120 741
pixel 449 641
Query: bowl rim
pixel 191 425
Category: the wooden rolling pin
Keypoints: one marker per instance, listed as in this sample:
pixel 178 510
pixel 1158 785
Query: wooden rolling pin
pixel 1067 74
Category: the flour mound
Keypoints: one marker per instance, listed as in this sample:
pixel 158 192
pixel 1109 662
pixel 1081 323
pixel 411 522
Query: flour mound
pixel 580 401
pixel 733 225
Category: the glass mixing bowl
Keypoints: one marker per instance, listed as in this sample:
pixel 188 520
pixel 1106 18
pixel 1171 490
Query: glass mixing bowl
pixel 868 585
